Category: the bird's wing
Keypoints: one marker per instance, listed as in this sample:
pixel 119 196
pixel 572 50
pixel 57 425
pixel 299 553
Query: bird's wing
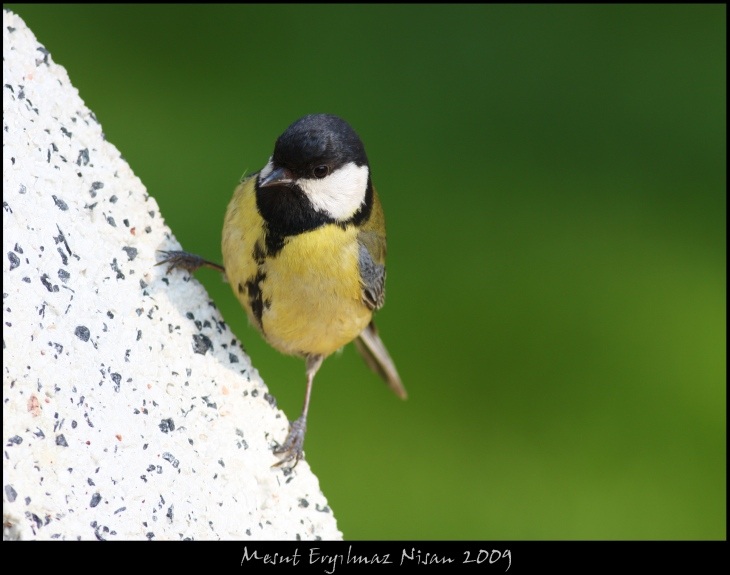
pixel 372 276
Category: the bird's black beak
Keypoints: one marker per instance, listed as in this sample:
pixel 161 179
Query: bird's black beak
pixel 278 177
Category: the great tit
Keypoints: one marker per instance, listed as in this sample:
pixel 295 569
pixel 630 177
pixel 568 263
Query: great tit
pixel 304 252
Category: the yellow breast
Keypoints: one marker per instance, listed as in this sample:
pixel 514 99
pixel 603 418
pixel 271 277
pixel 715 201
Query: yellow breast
pixel 308 295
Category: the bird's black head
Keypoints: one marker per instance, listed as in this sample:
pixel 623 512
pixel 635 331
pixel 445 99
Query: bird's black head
pixel 318 174
pixel 317 142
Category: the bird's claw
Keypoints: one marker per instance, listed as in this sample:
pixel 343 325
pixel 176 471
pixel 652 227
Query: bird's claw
pixel 291 449
pixel 177 259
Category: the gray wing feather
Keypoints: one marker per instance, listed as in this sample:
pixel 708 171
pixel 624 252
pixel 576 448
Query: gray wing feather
pixel 372 276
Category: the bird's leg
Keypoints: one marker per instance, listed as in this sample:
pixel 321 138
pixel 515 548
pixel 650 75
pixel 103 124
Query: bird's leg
pixel 292 446
pixel 184 261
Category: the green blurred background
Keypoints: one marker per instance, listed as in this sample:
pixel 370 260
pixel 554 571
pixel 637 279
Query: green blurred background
pixel 554 184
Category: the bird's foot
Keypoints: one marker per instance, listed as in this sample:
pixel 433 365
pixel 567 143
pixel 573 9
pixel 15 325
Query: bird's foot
pixel 291 449
pixel 177 259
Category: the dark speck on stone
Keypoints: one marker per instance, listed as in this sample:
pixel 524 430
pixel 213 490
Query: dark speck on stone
pixel 115 267
pixel 167 456
pixel 82 332
pixel 15 440
pixel 64 259
pixel 201 344
pixel 10 493
pixel 83 159
pixel 60 203
pixel 111 222
pixel 66 132
pixel 131 252
pixel 95 186
pixel 167 425
pixel 232 358
pixel 61 440
pixel 14 260
pixel 45 53
pixel 95 499
pixel 50 287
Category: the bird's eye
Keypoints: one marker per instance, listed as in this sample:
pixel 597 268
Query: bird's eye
pixel 321 171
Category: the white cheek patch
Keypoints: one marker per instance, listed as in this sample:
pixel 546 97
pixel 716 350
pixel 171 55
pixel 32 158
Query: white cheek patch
pixel 340 194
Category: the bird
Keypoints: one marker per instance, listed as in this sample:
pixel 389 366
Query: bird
pixel 304 248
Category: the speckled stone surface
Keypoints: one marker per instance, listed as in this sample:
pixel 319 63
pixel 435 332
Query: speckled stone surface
pixel 130 410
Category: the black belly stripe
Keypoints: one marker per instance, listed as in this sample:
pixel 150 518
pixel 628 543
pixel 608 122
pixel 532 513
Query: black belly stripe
pixel 255 298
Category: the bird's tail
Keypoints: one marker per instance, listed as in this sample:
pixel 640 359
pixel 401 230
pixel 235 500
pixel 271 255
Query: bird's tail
pixel 371 347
